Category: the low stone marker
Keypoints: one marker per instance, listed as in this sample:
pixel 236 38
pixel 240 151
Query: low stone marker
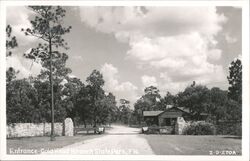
pixel 180 125
pixel 68 127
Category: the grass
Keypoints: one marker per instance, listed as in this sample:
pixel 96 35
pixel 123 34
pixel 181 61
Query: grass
pixel 193 145
pixel 34 145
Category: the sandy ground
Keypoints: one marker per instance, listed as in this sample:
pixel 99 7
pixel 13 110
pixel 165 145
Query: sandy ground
pixel 120 140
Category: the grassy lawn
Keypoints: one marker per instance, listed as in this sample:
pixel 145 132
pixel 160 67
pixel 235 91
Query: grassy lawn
pixel 193 145
pixel 38 143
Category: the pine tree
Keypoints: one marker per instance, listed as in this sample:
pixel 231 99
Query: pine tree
pixel 47 26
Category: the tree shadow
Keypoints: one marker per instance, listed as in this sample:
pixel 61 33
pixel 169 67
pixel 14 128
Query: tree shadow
pixel 232 137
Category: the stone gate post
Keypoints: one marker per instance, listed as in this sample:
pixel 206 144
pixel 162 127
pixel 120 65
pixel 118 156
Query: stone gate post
pixel 180 125
pixel 68 127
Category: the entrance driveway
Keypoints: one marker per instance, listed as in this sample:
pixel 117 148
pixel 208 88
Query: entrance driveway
pixel 120 140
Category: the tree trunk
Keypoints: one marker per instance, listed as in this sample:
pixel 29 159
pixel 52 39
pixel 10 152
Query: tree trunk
pixel 52 137
pixel 84 122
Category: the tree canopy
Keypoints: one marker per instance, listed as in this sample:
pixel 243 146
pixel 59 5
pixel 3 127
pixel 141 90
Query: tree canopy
pixel 11 41
pixel 235 80
pixel 196 98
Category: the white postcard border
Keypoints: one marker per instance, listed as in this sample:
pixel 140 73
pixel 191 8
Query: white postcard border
pixel 245 59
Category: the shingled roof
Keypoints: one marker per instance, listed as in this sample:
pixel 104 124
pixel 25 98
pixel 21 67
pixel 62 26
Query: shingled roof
pixel 152 113
pixel 187 110
pixel 156 113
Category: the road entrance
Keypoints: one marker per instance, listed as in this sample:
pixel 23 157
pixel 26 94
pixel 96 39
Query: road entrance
pixel 123 130
pixel 112 143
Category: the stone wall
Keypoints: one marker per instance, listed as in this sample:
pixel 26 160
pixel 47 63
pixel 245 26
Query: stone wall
pixel 39 129
pixel 166 130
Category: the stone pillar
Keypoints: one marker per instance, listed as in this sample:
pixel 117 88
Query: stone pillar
pixel 180 125
pixel 68 129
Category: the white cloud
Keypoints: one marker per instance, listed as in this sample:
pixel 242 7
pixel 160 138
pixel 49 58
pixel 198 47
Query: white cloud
pixel 174 84
pixel 230 39
pixel 25 66
pixel 214 54
pixel 172 40
pixel 176 49
pixel 181 56
pixel 148 81
pixel 77 57
pixel 15 63
pixel 72 76
pixel 18 18
pixel 240 57
pixel 125 90
pixel 152 21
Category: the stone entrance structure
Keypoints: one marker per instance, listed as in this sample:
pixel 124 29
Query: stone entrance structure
pixel 68 127
pixel 180 125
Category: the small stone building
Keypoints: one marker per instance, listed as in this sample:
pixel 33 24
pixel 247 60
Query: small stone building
pixel 172 119
pixel 167 117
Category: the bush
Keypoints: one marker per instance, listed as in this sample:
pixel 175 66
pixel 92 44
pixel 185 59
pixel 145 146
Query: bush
pixel 199 128
pixel 153 129
pixel 143 124
pixel 229 128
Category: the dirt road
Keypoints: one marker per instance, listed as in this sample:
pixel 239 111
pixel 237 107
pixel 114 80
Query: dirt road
pixel 120 140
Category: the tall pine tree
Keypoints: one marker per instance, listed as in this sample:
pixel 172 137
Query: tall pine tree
pixel 47 26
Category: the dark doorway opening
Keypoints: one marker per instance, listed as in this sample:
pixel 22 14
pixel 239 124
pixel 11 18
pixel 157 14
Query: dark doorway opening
pixel 170 121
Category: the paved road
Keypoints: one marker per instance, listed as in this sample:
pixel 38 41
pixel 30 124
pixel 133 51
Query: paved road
pixel 120 140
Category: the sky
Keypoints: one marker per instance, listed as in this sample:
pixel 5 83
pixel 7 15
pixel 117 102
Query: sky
pixel 135 47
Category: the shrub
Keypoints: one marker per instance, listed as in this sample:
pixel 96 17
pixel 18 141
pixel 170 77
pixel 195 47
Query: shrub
pixel 153 129
pixel 229 128
pixel 199 128
pixel 143 124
